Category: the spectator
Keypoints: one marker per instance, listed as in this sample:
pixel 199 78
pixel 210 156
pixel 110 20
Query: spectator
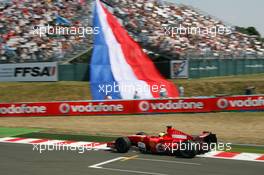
pixel 108 97
pixel 163 93
pixel 181 91
pixel 136 96
pixel 250 90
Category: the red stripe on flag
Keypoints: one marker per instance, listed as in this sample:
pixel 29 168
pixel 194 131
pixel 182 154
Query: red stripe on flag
pixel 39 141
pixel 226 154
pixel 261 158
pixel 139 61
pixel 15 139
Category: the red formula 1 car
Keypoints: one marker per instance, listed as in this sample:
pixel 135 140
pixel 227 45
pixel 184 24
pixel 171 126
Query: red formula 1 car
pixel 173 142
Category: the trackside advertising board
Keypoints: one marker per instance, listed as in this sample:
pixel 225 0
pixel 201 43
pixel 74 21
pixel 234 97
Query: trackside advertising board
pixel 187 105
pixel 196 105
pixel 47 71
pixel 179 69
pixel 66 108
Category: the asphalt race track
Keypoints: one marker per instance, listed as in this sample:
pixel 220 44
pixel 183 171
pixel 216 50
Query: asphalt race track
pixel 20 159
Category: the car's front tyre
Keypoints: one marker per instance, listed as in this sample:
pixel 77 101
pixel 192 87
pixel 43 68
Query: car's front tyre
pixel 122 144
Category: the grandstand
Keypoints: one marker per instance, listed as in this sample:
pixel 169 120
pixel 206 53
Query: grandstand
pixel 19 44
pixel 144 20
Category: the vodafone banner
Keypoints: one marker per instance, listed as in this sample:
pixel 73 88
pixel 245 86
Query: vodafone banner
pixel 195 105
pixel 187 105
pixel 66 108
pixel 239 103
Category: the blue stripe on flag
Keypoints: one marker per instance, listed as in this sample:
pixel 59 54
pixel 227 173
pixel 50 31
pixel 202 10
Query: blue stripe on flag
pixel 101 75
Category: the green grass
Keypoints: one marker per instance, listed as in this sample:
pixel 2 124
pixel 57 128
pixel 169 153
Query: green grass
pixel 8 132
pixel 229 85
pixel 247 149
pixel 67 90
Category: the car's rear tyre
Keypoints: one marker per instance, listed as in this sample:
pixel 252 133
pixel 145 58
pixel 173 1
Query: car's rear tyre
pixel 122 144
pixel 187 150
pixel 211 141
pixel 211 138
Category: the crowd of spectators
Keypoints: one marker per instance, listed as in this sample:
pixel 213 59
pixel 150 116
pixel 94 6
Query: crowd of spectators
pixel 20 18
pixel 147 20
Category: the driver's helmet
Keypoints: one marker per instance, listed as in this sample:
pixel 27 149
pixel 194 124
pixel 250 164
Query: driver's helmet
pixel 161 134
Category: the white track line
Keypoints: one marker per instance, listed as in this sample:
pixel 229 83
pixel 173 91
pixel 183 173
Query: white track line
pixel 167 161
pixel 131 171
pixel 99 166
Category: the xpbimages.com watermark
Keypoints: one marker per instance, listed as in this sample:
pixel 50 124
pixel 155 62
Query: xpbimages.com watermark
pixel 210 31
pixel 41 148
pixel 68 31
pixel 197 147
pixel 129 88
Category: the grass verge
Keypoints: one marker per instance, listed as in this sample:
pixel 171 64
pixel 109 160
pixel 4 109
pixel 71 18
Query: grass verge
pixel 8 132
pixel 247 149
pixel 73 90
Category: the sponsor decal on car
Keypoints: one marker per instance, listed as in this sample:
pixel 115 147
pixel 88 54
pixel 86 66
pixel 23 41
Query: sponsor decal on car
pixel 177 136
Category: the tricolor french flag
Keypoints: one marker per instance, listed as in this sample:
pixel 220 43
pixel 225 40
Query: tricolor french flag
pixel 119 67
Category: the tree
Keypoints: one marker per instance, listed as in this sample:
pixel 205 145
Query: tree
pixel 253 31
pixel 248 31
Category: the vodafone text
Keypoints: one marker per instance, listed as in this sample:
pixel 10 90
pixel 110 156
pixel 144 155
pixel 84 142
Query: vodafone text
pixel 22 109
pixel 90 107
pixel 170 105
pixel 249 102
